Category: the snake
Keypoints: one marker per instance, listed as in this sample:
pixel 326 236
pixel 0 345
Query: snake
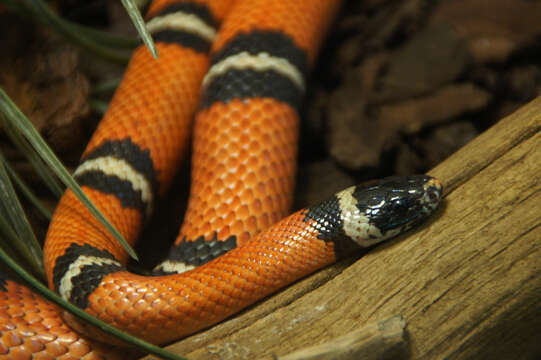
pixel 231 75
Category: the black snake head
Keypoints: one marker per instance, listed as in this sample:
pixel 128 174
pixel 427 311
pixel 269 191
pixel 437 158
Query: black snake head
pixel 393 205
pixel 376 211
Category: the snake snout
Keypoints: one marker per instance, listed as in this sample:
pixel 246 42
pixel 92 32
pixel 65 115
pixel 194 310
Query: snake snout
pixel 433 190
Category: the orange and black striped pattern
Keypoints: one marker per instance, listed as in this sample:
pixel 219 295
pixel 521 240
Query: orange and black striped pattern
pixel 238 69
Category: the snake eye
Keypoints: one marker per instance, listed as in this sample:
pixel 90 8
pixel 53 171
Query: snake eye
pixel 400 206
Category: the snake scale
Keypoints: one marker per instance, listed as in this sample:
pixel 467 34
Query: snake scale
pixel 237 70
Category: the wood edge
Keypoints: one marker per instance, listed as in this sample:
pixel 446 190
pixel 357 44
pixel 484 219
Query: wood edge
pixel 378 340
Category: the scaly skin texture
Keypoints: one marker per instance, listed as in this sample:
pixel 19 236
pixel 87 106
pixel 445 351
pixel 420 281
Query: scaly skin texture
pixel 243 176
pixel 32 328
pixel 245 151
pixel 242 180
pixel 248 151
pixel 164 308
pixel 154 106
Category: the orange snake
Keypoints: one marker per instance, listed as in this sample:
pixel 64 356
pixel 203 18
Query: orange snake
pixel 245 99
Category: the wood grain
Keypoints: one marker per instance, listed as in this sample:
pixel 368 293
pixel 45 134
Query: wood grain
pixel 379 340
pixel 468 283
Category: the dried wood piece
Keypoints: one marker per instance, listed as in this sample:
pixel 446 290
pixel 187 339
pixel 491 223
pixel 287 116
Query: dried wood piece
pixel 355 141
pixel 448 102
pixel 434 57
pixel 376 341
pixel 494 29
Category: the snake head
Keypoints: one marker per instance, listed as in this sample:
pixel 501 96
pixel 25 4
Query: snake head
pixel 379 210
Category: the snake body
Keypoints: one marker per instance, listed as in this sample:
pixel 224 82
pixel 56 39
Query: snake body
pixel 242 76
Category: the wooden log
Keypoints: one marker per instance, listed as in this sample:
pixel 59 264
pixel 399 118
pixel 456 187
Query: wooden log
pixel 380 340
pixel 468 283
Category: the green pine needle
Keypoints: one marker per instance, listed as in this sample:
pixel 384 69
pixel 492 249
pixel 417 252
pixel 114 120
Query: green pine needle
pixel 139 23
pixel 16 226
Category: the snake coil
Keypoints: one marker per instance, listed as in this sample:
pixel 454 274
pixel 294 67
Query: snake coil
pixel 242 77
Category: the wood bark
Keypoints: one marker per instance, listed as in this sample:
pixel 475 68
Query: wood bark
pixel 380 340
pixel 467 283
